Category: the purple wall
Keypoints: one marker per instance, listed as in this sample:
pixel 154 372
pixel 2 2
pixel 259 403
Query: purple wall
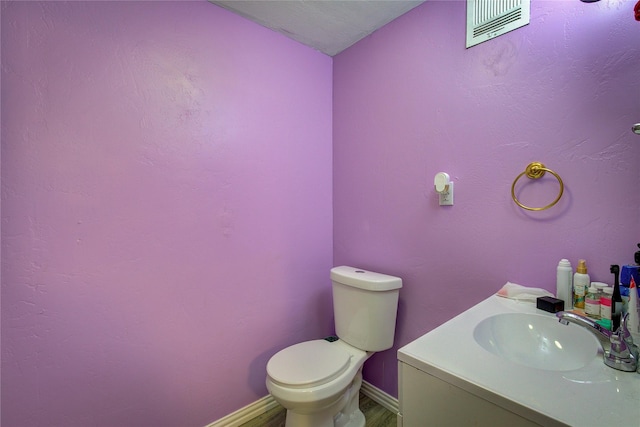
pixel 410 101
pixel 166 189
pixel 166 210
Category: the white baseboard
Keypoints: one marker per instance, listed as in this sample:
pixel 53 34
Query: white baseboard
pixel 267 403
pixel 247 413
pixel 380 397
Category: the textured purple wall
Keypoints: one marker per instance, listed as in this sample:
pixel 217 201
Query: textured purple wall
pixel 166 173
pixel 166 210
pixel 410 101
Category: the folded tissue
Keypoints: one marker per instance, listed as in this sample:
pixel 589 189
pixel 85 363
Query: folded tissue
pixel 522 293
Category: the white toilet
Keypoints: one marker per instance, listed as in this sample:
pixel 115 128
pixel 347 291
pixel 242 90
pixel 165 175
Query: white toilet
pixel 318 381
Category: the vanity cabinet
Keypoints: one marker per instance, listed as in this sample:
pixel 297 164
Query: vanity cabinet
pixel 447 378
pixel 426 400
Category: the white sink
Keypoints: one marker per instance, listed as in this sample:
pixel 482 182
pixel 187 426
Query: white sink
pixel 487 353
pixel 536 341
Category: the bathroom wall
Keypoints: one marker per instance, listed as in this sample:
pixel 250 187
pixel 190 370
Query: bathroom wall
pixel 410 101
pixel 166 210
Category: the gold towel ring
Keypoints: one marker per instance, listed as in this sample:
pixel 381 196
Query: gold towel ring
pixel 536 170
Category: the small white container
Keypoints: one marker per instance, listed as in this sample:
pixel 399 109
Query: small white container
pixel 592 303
pixel 605 303
pixel 600 286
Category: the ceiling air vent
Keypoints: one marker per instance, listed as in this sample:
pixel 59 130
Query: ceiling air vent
pixel 487 19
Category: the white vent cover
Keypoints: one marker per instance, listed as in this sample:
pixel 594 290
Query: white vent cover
pixel 487 19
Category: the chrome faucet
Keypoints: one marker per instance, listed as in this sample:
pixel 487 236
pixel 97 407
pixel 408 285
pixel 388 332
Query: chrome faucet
pixel 619 350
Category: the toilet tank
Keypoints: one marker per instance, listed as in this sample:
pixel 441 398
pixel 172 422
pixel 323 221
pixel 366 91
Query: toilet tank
pixel 365 305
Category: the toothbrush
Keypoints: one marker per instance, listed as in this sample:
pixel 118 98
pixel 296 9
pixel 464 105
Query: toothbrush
pixel 616 299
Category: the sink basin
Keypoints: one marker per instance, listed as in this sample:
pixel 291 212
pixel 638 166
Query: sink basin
pixel 537 341
pixel 489 357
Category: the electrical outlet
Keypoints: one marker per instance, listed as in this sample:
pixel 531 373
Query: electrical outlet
pixel 446 198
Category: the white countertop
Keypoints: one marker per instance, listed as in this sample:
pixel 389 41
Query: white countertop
pixel 594 395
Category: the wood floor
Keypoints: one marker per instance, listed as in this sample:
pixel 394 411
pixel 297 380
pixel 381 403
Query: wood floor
pixel 375 415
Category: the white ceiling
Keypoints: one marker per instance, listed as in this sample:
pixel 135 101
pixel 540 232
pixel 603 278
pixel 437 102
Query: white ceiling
pixel 329 26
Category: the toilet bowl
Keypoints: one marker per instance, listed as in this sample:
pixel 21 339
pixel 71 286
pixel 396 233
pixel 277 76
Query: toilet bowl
pixel 318 381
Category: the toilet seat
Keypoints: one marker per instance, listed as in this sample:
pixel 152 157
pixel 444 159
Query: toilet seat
pixel 308 364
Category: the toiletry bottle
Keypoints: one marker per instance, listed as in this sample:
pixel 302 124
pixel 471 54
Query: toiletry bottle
pixel 581 282
pixel 592 302
pixel 626 273
pixel 633 321
pixel 564 290
pixel 605 303
pixel 616 299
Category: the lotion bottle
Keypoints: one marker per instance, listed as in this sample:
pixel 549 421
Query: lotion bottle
pixel 581 283
pixel 633 322
pixel 564 290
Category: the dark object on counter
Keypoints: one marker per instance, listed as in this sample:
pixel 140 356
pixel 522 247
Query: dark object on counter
pixel 616 299
pixel 550 304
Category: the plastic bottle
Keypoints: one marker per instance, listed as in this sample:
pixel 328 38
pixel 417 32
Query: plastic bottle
pixel 564 290
pixel 633 322
pixel 592 302
pixel 626 273
pixel 581 282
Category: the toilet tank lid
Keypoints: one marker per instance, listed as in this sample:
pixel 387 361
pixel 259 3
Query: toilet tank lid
pixel 364 279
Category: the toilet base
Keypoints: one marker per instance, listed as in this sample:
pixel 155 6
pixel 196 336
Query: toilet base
pixel 355 420
pixel 317 420
pixel 344 413
pixel 309 420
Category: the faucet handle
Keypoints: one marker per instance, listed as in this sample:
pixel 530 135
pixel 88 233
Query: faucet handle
pixel 624 332
pixel 619 347
pixel 621 356
pixel 623 353
pixel 627 338
pixel 624 329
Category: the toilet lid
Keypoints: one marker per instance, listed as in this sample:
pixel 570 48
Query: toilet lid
pixel 308 363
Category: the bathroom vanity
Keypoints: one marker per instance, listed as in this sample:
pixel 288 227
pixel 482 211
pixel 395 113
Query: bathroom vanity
pixel 504 362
